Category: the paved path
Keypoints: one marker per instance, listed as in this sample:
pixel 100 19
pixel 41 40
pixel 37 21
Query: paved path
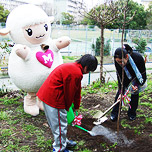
pixel 109 69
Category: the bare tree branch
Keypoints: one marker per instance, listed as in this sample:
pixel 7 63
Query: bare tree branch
pixel 105 14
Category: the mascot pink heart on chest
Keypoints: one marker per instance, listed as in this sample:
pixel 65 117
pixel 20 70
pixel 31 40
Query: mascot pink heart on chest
pixel 45 58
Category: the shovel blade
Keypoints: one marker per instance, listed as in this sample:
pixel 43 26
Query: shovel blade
pixel 98 114
pixel 99 117
pixel 100 120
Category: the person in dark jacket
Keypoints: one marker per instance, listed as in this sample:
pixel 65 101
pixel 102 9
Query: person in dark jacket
pixel 134 73
pixel 59 91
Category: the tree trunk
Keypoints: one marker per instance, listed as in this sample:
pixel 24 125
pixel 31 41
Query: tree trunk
pixel 102 79
pixel 123 30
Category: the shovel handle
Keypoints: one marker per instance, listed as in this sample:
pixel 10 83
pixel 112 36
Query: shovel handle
pixel 109 108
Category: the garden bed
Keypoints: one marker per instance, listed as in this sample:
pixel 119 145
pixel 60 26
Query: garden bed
pixel 22 132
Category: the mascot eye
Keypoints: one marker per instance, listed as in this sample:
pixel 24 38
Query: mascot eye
pixel 29 32
pixel 46 27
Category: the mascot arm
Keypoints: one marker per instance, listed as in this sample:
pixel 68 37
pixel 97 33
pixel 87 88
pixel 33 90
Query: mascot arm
pixel 62 42
pixel 22 51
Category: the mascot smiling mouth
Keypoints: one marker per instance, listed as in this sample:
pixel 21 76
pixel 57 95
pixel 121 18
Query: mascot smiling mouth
pixel 40 36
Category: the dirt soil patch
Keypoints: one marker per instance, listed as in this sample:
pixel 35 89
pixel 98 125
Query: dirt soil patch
pixel 140 143
pixel 139 137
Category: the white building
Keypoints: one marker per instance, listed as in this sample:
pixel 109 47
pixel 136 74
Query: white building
pixel 11 4
pixel 52 7
pixel 69 6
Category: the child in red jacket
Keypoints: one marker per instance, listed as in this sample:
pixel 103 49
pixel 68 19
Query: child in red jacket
pixel 59 91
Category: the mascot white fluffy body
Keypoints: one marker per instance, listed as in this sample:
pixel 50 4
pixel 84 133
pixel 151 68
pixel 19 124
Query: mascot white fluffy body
pixel 29 63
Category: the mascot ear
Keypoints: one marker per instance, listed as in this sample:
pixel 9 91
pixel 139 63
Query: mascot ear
pixel 4 31
pixel 51 18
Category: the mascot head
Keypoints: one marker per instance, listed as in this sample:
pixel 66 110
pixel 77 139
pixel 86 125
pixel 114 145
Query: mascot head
pixel 28 24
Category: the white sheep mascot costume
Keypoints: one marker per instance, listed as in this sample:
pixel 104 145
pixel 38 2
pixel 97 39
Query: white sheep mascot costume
pixel 34 54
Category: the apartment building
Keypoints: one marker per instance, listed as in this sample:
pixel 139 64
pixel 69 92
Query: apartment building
pixel 52 7
pixel 11 4
pixel 72 7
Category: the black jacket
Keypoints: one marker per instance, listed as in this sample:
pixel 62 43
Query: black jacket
pixel 140 63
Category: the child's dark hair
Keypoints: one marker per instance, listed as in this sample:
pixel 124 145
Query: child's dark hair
pixel 126 50
pixel 88 60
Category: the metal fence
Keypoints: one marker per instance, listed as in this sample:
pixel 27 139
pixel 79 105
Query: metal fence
pixel 82 37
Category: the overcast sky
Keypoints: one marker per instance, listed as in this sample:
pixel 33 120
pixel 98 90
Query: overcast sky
pixel 90 3
pixel 34 1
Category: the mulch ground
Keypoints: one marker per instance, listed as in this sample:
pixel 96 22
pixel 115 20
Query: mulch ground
pixel 99 143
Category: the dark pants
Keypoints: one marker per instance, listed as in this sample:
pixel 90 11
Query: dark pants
pixel 133 103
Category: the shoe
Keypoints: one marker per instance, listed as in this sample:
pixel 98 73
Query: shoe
pixel 71 144
pixel 132 118
pixel 113 118
pixel 65 150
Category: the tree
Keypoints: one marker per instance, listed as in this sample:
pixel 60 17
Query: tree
pixel 3 14
pixel 67 18
pixel 103 15
pixel 85 21
pixel 123 12
pixel 149 16
pixel 123 22
pixel 139 20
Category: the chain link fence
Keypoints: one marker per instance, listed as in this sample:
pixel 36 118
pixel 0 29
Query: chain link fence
pixel 82 37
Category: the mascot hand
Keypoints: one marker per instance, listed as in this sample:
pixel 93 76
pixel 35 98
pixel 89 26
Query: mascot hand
pixel 63 42
pixel 22 51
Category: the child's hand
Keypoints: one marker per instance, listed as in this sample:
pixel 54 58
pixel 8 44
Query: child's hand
pixel 74 110
pixel 135 88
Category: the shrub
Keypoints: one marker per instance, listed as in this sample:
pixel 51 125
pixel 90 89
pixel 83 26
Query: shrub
pixel 141 44
pixel 97 46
